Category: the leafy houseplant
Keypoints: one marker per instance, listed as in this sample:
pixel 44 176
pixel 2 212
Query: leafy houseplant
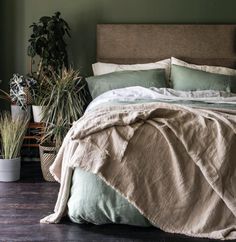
pixel 61 107
pixel 19 95
pixel 48 43
pixel 47 50
pixel 11 136
pixel 19 88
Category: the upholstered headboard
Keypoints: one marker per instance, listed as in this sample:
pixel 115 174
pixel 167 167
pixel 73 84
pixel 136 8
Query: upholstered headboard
pixel 140 43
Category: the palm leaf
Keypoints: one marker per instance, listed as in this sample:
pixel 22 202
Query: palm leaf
pixel 62 105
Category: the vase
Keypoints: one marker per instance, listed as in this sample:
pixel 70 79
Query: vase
pixel 37 113
pixel 10 169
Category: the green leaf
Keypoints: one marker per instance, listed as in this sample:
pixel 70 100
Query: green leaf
pixel 47 41
pixel 30 51
pixel 68 33
pixel 44 19
pixel 57 14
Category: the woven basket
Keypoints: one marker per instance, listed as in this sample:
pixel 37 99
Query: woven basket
pixel 47 157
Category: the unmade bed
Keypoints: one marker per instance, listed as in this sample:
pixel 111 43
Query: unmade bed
pixel 157 145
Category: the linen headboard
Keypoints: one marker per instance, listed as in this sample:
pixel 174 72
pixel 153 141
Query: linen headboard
pixel 142 43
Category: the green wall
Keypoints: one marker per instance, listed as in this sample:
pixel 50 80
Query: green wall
pixel 83 15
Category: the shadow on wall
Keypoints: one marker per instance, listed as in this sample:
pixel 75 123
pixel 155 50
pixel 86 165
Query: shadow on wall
pixel 11 22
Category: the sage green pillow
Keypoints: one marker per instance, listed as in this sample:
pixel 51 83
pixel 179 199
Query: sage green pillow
pixel 144 78
pixel 187 79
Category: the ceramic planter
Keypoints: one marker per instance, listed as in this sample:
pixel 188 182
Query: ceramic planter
pixel 47 157
pixel 10 169
pixel 37 113
pixel 16 112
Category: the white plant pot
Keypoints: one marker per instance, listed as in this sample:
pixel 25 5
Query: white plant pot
pixel 37 113
pixel 16 112
pixel 10 169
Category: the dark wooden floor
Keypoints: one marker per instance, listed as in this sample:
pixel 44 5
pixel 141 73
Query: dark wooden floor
pixel 23 203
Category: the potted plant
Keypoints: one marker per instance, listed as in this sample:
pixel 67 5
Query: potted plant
pixel 62 106
pixel 12 133
pixel 38 91
pixel 19 96
pixel 48 43
pixel 47 50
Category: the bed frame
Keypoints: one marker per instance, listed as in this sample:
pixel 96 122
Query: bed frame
pixel 142 43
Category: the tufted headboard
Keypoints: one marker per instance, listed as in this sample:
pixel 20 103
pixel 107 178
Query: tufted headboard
pixel 142 43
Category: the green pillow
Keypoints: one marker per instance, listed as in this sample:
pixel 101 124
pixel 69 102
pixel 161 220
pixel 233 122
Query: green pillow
pixel 145 78
pixel 187 79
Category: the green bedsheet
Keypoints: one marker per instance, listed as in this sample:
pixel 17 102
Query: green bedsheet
pixel 188 103
pixel 95 202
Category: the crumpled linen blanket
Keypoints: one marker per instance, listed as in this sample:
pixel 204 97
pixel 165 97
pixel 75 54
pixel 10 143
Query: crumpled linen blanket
pixel 175 164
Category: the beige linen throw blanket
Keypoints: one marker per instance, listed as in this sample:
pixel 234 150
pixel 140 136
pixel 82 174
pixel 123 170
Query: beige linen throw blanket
pixel 175 164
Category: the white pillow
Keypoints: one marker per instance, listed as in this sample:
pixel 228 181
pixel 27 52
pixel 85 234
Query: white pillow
pixel 100 68
pixel 211 69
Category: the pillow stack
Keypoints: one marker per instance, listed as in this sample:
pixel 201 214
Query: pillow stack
pixel 172 72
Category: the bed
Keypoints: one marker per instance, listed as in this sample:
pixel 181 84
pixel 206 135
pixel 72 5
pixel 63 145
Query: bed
pixel 156 156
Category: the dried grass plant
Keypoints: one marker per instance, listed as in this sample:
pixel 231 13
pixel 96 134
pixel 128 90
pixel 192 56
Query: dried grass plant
pixel 12 133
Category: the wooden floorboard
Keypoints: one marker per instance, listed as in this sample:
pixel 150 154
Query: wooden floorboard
pixel 23 203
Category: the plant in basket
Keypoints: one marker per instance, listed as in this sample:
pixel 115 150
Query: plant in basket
pixel 59 90
pixel 63 105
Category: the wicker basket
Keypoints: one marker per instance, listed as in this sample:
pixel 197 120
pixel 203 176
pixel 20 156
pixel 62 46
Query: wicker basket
pixel 47 156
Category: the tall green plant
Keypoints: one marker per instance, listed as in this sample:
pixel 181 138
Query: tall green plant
pixel 48 43
pixel 63 105
pixel 12 133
